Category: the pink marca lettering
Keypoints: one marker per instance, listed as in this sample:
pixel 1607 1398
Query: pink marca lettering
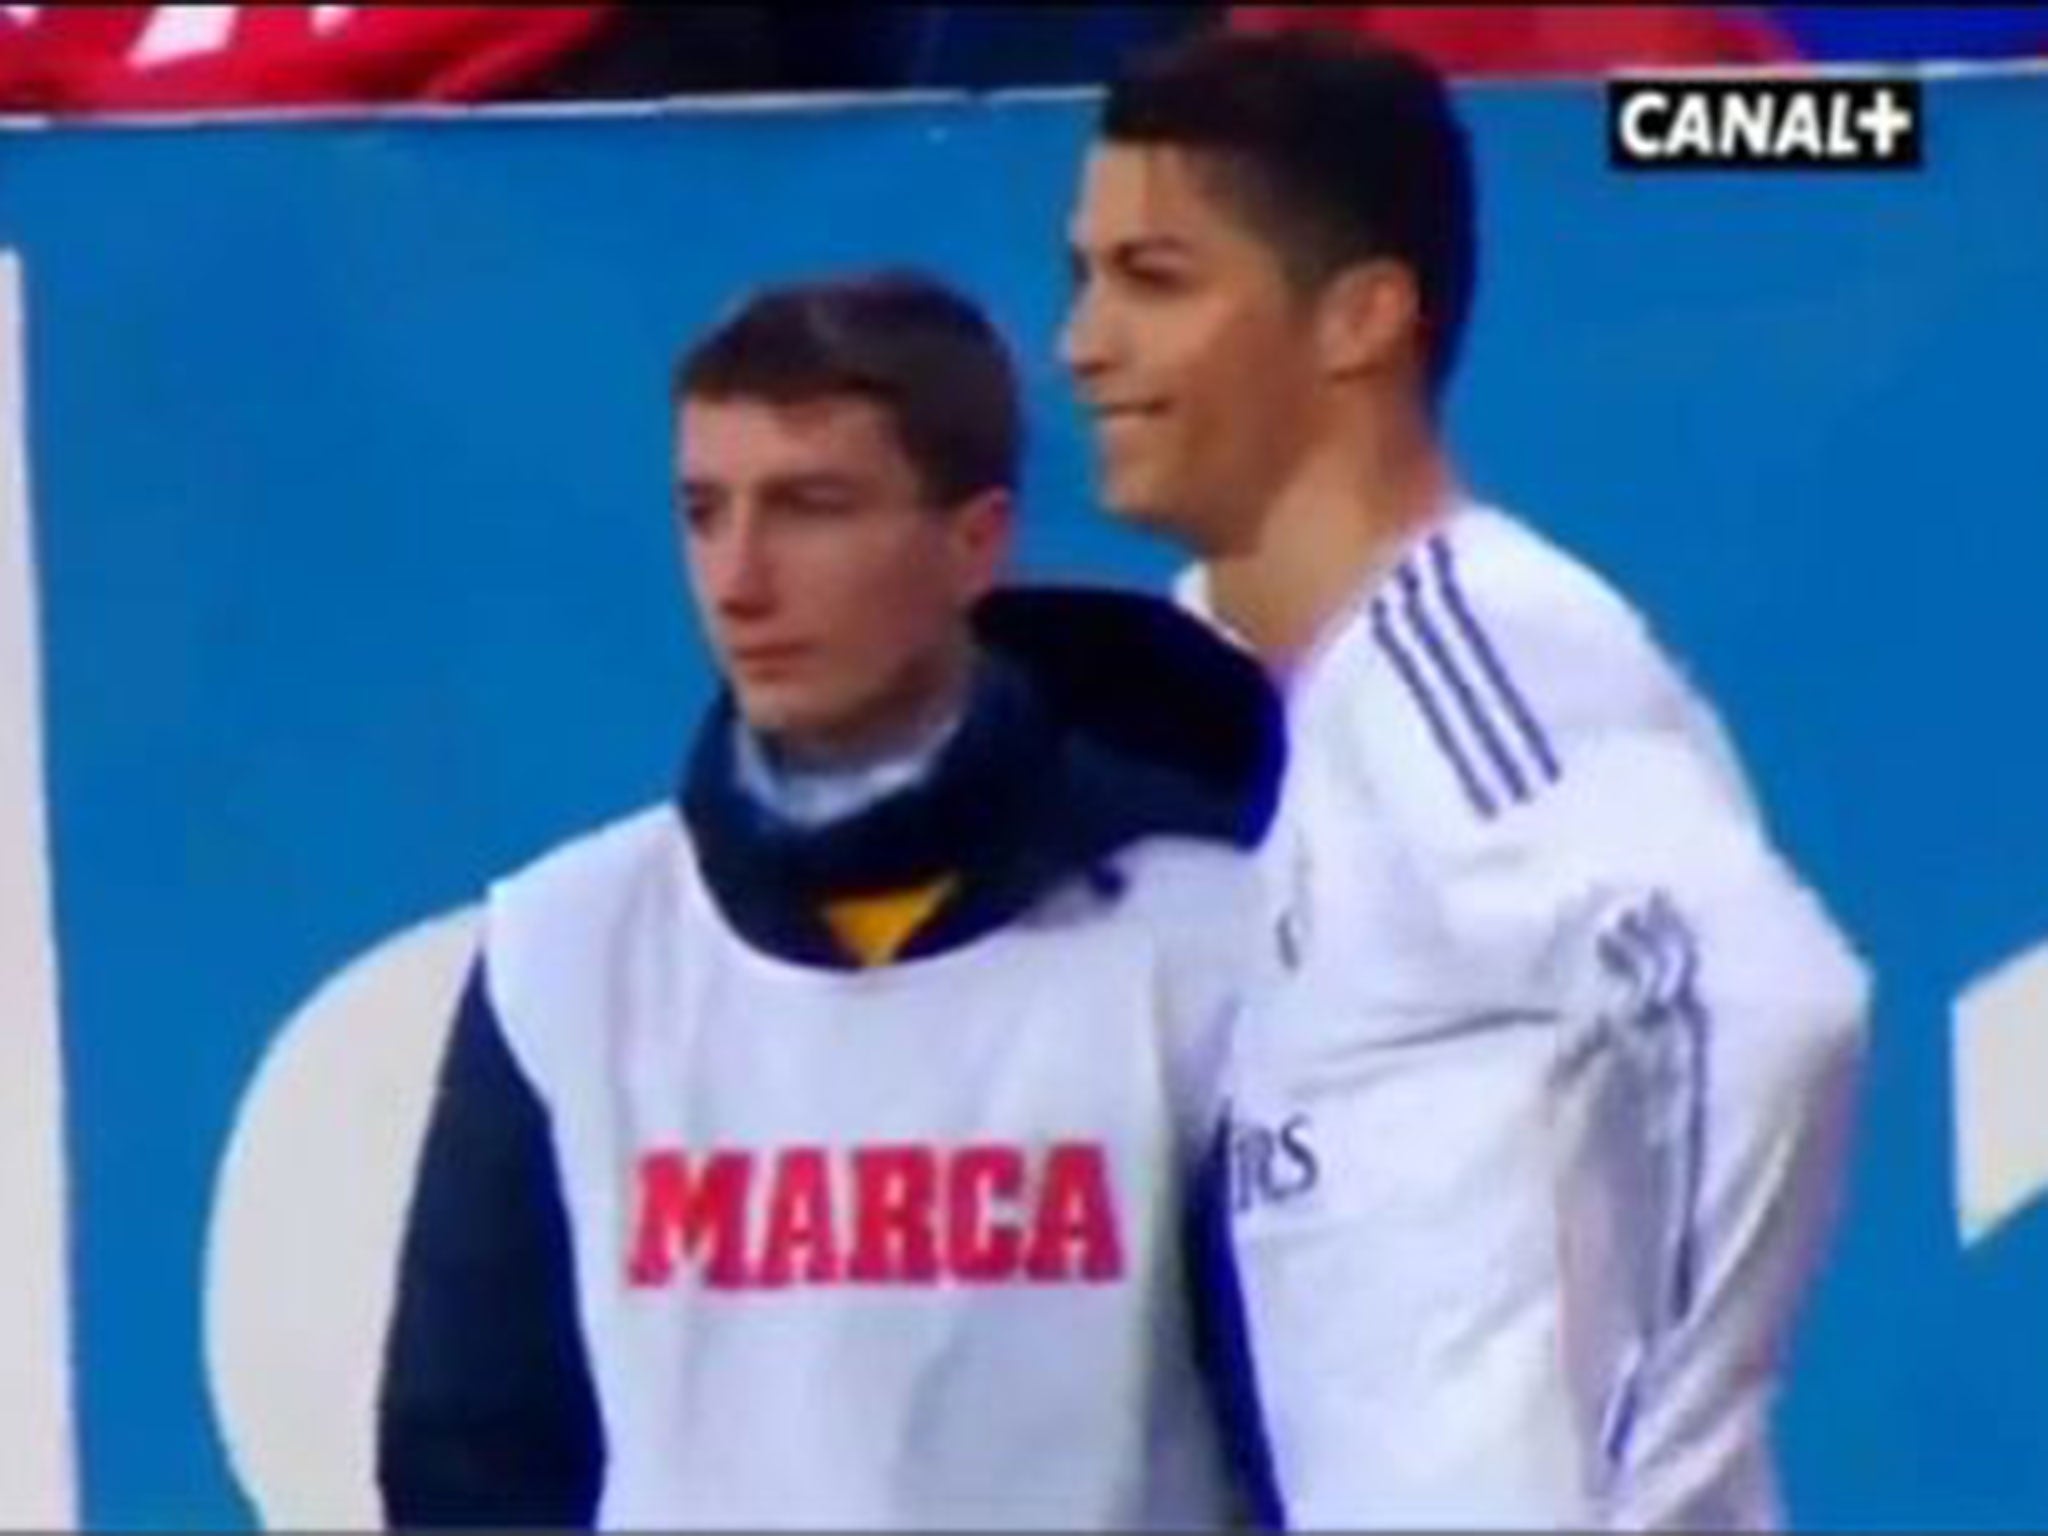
pixel 893 1215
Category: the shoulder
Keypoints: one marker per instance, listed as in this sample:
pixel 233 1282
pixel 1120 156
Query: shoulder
pixel 559 930
pixel 1488 670
pixel 597 859
pixel 1205 908
pixel 581 888
pixel 1193 913
pixel 1187 882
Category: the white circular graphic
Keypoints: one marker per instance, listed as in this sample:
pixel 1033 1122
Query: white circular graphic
pixel 309 1207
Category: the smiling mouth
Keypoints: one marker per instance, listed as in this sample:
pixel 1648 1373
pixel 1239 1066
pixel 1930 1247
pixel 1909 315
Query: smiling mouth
pixel 1117 420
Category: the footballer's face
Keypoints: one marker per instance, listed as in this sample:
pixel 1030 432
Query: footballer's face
pixel 834 593
pixel 1195 357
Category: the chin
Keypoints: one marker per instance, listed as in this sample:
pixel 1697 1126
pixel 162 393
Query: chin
pixel 771 715
pixel 1151 515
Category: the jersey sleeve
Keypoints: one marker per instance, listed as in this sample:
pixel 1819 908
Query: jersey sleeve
pixel 1598 1201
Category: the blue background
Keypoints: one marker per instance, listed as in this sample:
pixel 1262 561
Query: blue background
pixel 359 585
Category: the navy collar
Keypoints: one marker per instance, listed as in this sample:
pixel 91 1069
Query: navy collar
pixel 1095 718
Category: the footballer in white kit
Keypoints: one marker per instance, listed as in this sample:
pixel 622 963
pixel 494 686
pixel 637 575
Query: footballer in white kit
pixel 1538 1140
pixel 1556 1094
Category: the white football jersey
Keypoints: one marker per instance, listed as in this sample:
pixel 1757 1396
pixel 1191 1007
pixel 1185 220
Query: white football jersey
pixel 892 1248
pixel 1540 1139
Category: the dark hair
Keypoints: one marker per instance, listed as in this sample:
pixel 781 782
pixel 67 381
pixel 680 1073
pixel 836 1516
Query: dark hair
pixel 1335 149
pixel 920 349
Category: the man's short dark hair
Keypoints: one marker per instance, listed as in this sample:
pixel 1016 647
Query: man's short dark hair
pixel 918 348
pixel 1336 150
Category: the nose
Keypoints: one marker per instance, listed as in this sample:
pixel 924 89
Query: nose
pixel 1084 337
pixel 739 576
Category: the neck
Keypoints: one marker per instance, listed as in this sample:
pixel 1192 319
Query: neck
pixel 924 709
pixel 1340 519
pixel 814 782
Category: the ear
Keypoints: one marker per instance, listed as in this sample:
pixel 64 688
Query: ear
pixel 1369 314
pixel 981 529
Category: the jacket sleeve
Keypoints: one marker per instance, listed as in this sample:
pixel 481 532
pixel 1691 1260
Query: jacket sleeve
pixel 486 1415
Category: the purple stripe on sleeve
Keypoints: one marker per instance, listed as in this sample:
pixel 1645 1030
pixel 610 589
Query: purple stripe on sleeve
pixel 1447 669
pixel 1489 659
pixel 1404 664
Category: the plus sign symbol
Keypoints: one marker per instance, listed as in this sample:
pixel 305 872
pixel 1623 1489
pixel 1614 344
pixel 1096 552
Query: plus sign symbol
pixel 1890 123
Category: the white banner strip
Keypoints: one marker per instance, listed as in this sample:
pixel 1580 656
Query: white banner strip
pixel 38 1474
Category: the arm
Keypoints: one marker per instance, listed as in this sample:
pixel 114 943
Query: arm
pixel 1705 1119
pixel 486 1415
pixel 1578 1160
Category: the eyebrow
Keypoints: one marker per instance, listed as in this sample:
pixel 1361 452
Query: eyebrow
pixel 798 480
pixel 1136 245
pixel 1171 251
pixel 815 480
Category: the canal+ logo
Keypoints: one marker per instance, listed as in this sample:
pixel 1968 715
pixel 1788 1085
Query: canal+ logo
pixel 1733 122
